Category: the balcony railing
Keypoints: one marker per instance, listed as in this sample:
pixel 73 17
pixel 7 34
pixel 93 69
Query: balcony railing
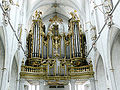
pixel 71 71
pixel 31 69
pixel 81 69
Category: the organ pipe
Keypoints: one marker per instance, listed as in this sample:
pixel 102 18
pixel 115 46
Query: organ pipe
pixel 62 47
pixel 55 45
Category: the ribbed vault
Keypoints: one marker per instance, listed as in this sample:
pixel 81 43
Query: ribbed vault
pixel 59 7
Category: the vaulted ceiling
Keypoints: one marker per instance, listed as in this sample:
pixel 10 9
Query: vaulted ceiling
pixel 50 7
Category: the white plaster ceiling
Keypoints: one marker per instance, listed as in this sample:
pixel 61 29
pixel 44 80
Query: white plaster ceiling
pixel 64 7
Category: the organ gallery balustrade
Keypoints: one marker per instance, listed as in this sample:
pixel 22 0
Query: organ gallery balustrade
pixel 73 70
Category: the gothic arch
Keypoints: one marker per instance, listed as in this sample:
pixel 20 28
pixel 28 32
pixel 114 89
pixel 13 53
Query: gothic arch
pixel 2 54
pixel 2 60
pixel 115 57
pixel 114 30
pixel 73 5
pixel 2 35
pixel 39 5
pixel 112 39
pixel 100 75
pixel 13 81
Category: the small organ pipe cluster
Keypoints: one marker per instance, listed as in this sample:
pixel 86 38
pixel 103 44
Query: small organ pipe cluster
pixel 55 53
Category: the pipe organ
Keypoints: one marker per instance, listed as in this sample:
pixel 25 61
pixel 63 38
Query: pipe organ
pixel 55 55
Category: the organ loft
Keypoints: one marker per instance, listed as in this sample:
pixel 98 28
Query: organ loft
pixel 56 56
pixel 59 44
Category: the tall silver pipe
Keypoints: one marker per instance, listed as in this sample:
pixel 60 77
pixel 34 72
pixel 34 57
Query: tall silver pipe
pixel 62 48
pixel 38 41
pixel 34 41
pixel 78 39
pixel 71 47
pixel 41 46
pixel 75 40
pixel 50 47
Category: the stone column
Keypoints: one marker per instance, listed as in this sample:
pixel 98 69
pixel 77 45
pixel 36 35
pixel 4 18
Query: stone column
pixel 86 87
pixel 67 87
pixel 72 84
pixel 26 87
pixel 92 84
pixel 35 87
pixel 41 85
pixel 31 87
pixel 76 86
pixel 21 84
pixel 112 79
pixel 4 81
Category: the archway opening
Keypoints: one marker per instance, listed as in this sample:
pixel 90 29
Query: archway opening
pixel 14 75
pixel 100 74
pixel 115 54
pixel 2 60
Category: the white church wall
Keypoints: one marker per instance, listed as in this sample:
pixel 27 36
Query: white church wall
pixel 111 38
pixel 87 25
pixel 103 41
pixel 115 59
pixel 11 43
pixel 0 17
pixel 114 2
pixel 13 81
pixel 2 60
pixel 116 14
pixel 100 76
pixel 99 16
pixel 4 68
